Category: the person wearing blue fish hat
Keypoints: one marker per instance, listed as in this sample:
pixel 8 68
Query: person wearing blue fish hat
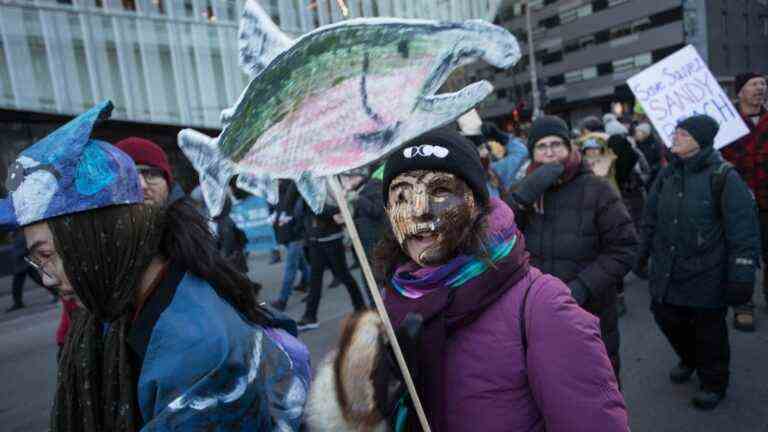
pixel 169 335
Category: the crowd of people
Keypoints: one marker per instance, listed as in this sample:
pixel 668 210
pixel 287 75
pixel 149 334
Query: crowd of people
pixel 501 259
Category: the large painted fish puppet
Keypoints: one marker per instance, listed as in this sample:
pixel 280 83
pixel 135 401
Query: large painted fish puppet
pixel 338 98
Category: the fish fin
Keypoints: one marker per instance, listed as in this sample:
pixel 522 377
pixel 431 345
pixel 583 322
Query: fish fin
pixel 261 185
pixel 437 111
pixel 213 169
pixel 260 40
pixel 314 190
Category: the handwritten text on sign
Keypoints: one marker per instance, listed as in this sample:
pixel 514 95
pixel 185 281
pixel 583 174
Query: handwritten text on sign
pixel 680 86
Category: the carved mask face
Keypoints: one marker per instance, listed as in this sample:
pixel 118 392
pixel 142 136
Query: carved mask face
pixel 431 214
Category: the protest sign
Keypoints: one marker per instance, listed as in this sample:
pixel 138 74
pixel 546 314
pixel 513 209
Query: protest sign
pixel 252 216
pixel 680 86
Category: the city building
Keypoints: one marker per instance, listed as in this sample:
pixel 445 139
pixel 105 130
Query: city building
pixel 585 50
pixel 166 64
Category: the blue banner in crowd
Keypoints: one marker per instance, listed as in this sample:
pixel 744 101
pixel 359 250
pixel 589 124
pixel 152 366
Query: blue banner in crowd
pixel 252 216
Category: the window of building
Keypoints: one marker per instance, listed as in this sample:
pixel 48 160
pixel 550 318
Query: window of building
pixel 746 25
pixel 553 57
pixel 725 22
pixel 764 25
pixel 747 57
pixel 536 4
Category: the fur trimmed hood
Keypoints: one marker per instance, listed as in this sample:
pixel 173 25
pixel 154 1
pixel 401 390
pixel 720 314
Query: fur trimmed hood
pixel 341 398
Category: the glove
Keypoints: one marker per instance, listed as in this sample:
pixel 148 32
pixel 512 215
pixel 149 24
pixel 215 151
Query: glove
pixel 388 383
pixel 579 291
pixel 535 184
pixel 490 131
pixel 641 268
pixel 738 293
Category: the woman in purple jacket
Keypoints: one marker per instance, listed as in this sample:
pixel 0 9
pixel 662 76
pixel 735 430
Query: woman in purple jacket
pixel 493 344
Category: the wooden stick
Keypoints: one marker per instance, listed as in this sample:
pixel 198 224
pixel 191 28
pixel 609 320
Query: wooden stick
pixel 335 185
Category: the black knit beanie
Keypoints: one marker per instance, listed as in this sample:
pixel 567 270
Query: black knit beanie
pixel 702 128
pixel 743 79
pixel 547 126
pixel 444 151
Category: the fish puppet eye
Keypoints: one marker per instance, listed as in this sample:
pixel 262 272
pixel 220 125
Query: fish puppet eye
pixel 16 174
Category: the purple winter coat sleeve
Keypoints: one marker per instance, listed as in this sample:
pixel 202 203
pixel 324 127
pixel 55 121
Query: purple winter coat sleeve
pixel 569 372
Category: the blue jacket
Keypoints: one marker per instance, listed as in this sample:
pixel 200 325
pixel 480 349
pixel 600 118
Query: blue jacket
pixel 206 368
pixel 506 169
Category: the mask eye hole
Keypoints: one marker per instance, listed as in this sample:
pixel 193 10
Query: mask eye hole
pixel 16 176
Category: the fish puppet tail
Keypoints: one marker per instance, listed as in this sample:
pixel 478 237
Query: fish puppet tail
pixel 213 169
pixel 260 39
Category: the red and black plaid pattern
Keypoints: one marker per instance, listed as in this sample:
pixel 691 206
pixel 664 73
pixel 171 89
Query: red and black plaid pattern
pixel 749 156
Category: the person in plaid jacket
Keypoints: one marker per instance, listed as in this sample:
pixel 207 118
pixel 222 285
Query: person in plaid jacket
pixel 749 156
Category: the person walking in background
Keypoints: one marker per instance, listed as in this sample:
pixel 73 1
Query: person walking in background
pixel 700 248
pixel 653 151
pixel 289 230
pixel 155 170
pixel 325 237
pixel 749 155
pixel 576 225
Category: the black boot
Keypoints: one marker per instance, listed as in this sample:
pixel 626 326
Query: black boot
pixel 15 307
pixel 707 400
pixel 681 373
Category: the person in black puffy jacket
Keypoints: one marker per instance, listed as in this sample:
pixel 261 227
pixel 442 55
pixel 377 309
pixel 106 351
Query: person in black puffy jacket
pixel 703 247
pixel 576 225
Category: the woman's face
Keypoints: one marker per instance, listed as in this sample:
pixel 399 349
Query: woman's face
pixel 684 145
pixel 46 260
pixel 592 152
pixel 430 212
pixel 551 149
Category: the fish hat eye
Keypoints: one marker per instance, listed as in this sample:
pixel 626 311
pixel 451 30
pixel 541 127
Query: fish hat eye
pixel 15 177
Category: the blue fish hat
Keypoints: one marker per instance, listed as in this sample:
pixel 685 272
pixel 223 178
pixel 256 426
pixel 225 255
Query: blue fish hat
pixel 68 172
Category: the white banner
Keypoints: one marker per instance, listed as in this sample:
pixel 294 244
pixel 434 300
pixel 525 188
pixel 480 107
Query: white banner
pixel 680 86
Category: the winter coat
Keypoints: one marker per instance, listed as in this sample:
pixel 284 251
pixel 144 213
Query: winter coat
pixel 562 381
pixel 202 366
pixel 289 206
pixel 505 169
pixel 750 157
pixel 696 249
pixel 370 217
pixel 653 152
pixel 321 226
pixel 585 233
pixel 603 166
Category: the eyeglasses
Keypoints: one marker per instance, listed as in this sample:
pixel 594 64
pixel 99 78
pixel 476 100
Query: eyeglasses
pixel 40 267
pixel 151 174
pixel 554 146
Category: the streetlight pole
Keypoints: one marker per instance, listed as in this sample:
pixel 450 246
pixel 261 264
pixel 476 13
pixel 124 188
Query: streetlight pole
pixel 532 62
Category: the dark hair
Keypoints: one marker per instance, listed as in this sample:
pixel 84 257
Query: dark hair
pixel 188 241
pixel 592 124
pixel 388 254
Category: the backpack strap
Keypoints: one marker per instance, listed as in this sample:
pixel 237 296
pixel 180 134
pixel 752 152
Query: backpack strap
pixel 719 179
pixel 523 333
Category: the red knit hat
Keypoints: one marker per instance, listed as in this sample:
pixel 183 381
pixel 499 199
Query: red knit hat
pixel 145 152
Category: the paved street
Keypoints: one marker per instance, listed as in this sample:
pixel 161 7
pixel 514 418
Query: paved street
pixel 27 362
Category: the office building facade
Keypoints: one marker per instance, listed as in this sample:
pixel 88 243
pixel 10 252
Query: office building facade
pixel 585 50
